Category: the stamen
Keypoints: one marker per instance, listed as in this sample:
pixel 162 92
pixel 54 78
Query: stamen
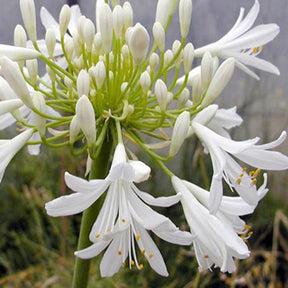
pixel 251 173
pixel 97 235
pixel 150 255
pixel 254 181
pixel 132 262
pixel 256 173
pixel 143 251
pixel 247 227
pixel 123 263
pixel 119 252
pixel 141 266
pixel 244 169
pixel 238 180
pixel 123 220
pixel 206 256
pixel 137 237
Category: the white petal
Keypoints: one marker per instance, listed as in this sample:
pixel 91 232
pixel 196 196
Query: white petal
pixel 246 70
pixel 48 21
pixel 75 15
pixel 122 171
pixel 92 250
pixel 274 143
pixel 83 186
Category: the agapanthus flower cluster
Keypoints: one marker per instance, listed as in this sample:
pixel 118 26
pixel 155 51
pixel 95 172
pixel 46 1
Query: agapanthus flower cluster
pixel 109 80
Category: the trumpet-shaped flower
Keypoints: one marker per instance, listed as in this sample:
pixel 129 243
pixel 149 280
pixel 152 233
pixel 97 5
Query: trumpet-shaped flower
pixel 11 147
pixel 124 216
pixel 244 44
pixel 215 241
pixel 221 148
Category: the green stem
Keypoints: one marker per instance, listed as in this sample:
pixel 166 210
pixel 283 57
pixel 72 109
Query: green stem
pixel 98 170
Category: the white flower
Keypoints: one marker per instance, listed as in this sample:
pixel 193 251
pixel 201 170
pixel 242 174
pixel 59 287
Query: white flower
pixel 124 217
pixel 11 147
pixel 215 241
pixel 244 44
pixel 226 167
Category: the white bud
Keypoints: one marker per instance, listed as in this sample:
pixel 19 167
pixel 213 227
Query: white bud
pixel 27 8
pixel 98 42
pixel 40 105
pixel 74 129
pixel 13 75
pixel 145 81
pixel 185 13
pixel 83 83
pixel 64 19
pixel 154 61
pixel 170 97
pixel 219 81
pixel 69 47
pixel 111 75
pixel 32 67
pixel 165 10
pixel 10 105
pixel 51 73
pixel 50 39
pixel 176 46
pixel 179 133
pixel 17 53
pixel 215 65
pixel 20 37
pixel 168 56
pixel 68 83
pixel 124 86
pixel 139 43
pixel 206 70
pixel 206 115
pixel 118 20
pixel 128 15
pixel 106 27
pixel 196 88
pixel 86 119
pixel 125 52
pixel 183 98
pixel 159 35
pixel 89 34
pixel 141 171
pixel 81 28
pixel 99 3
pixel 188 57
pixel 161 94
pixel 99 74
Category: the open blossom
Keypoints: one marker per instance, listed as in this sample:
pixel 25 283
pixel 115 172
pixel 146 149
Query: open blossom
pixel 215 241
pixel 124 217
pixel 244 44
pixel 224 165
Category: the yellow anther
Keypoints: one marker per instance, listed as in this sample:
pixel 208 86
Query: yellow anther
pixel 119 252
pixel 256 173
pixel 206 256
pixel 242 174
pixel 123 220
pixel 123 263
pixel 250 233
pixel 247 227
pixel 137 237
pixel 238 181
pixel 143 251
pixel 254 181
pixel 132 262
pixel 141 266
pixel 244 169
pixel 151 255
pixel 251 173
pixel 257 49
pixel 97 235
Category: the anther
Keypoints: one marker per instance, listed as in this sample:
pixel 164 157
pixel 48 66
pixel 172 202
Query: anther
pixel 244 169
pixel 123 220
pixel 141 266
pixel 132 262
pixel 254 181
pixel 97 235
pixel 206 256
pixel 119 252
pixel 143 251
pixel 238 181
pixel 137 237
pixel 256 173
pixel 151 255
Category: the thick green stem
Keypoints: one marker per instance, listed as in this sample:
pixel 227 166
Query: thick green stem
pixel 98 170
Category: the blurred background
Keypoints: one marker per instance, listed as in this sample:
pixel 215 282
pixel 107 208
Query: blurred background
pixel 37 251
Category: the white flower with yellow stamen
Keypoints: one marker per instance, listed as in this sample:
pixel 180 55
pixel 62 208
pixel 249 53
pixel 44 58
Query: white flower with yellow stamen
pixel 244 44
pixel 124 217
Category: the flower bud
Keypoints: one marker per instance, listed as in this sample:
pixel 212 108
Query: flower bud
pixel 40 105
pixel 83 83
pixel 86 119
pixel 175 49
pixel 159 35
pixel 139 43
pixel 13 75
pixel 69 48
pixel 145 81
pixel 118 20
pixel 161 94
pixel 154 61
pixel 185 13
pixel 141 170
pixel 99 3
pixel 32 67
pixel 81 29
pixel 183 98
pixel 179 133
pixel 68 83
pixel 106 27
pixel 20 37
pixel 74 129
pixel 206 115
pixel 164 11
pixel 219 81
pixel 89 33
pixel 51 73
pixel 17 53
pixel 10 105
pixel 206 70
pixel 125 52
pixel 196 88
pixel 128 15
pixel 168 56
pixel 50 39
pixel 188 57
pixel 99 74
pixel 98 42
pixel 64 19
pixel 27 8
